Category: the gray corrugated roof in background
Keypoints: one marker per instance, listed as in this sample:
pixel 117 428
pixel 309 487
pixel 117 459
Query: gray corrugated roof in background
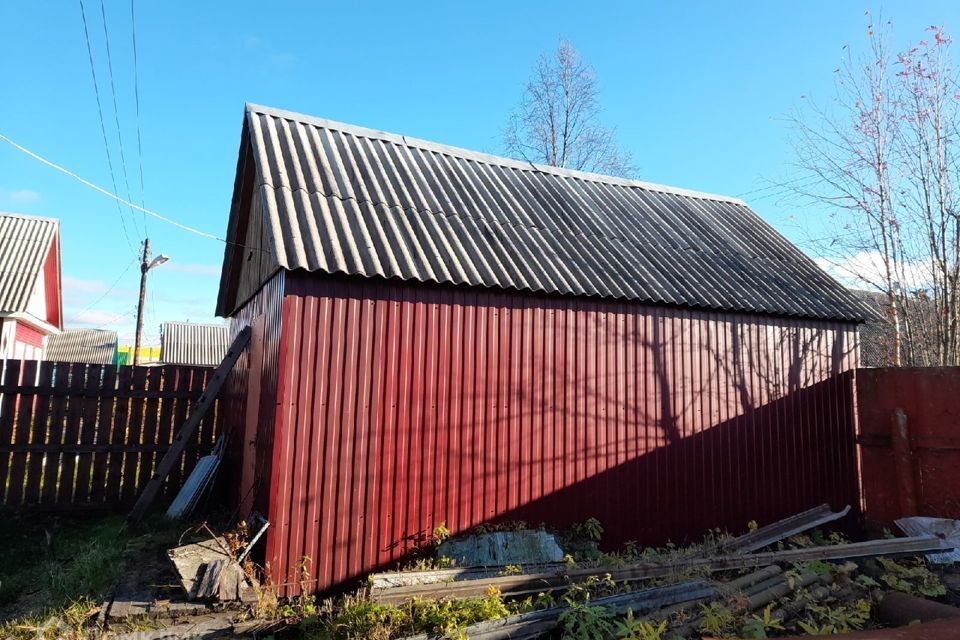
pixel 193 343
pixel 24 244
pixel 96 346
pixel 341 199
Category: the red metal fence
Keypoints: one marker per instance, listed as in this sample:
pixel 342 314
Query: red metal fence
pixel 401 407
pixel 76 436
pixel 925 478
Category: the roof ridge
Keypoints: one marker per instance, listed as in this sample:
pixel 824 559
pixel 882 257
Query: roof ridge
pixel 479 156
pixel 27 216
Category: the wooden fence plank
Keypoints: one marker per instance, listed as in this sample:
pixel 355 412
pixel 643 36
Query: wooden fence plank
pixel 8 410
pixel 39 436
pixel 105 412
pixel 165 429
pixel 185 383
pixel 131 461
pixel 58 417
pixel 71 432
pixel 88 431
pixel 149 439
pixel 118 434
pixel 18 462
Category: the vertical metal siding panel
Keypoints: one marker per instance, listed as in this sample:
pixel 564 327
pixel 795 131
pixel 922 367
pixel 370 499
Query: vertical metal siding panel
pixel 389 462
pixel 301 434
pixel 454 324
pixel 329 535
pixel 348 438
pixel 280 513
pixel 318 367
pixel 365 476
pixel 376 412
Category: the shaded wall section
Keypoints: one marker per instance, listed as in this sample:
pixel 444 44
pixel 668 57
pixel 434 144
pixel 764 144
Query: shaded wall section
pixel 265 304
pixel 926 479
pixel 403 406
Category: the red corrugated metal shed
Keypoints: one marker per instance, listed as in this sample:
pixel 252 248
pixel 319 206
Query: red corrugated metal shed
pixel 406 406
pixel 450 337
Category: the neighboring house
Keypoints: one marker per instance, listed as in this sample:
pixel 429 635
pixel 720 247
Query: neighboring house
pixel 193 343
pixel 917 320
pixel 94 346
pixel 440 335
pixel 30 291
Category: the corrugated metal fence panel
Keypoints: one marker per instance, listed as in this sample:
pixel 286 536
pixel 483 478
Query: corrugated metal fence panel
pixel 267 302
pixel 401 407
pixel 930 398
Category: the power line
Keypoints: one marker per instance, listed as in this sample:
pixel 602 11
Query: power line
pixel 136 96
pixel 84 181
pixel 105 293
pixel 116 111
pixel 103 128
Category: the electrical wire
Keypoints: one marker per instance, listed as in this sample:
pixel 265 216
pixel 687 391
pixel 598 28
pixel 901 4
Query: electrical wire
pixel 105 293
pixel 85 182
pixel 116 111
pixel 136 97
pixel 103 127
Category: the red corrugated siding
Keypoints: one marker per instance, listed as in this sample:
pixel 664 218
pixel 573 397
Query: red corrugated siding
pixel 268 302
pixel 401 406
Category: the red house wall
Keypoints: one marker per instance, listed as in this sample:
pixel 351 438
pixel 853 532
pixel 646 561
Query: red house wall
pixel 51 275
pixel 403 406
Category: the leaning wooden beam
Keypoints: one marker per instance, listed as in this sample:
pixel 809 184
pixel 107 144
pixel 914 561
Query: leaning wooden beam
pixel 783 529
pixel 515 585
pixel 172 455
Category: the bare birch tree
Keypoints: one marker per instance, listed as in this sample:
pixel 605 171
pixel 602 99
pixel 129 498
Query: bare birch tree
pixel 558 120
pixel 847 152
pixel 885 158
pixel 928 142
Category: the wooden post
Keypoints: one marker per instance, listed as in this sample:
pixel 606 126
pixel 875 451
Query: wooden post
pixel 189 427
pixel 903 463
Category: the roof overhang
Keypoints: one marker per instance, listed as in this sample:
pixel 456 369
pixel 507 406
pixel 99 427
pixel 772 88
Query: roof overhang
pixel 40 325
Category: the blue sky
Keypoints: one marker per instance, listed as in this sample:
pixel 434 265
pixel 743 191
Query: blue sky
pixel 696 90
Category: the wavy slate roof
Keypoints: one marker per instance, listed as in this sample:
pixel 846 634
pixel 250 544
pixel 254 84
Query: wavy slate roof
pixel 342 199
pixel 96 346
pixel 24 244
pixel 193 343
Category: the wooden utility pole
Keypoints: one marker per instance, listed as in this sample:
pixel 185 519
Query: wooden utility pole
pixel 144 268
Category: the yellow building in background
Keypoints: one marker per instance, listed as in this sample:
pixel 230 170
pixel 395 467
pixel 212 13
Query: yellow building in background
pixel 147 354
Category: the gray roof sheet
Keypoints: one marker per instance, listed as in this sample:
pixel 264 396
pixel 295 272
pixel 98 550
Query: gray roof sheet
pixel 341 199
pixel 24 244
pixel 96 346
pixel 193 343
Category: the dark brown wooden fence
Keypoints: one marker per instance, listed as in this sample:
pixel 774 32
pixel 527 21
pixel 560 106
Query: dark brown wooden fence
pixel 81 436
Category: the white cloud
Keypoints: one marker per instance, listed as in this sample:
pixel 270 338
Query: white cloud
pixel 98 319
pixel 24 196
pixel 865 270
pixel 79 292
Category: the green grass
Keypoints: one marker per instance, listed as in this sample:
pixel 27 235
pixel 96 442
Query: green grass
pixel 48 592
